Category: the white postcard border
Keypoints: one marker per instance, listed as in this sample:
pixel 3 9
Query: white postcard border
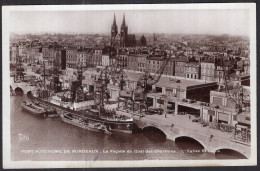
pixel 7 163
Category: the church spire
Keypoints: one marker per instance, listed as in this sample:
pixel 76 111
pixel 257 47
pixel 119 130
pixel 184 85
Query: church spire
pixel 114 31
pixel 123 25
pixel 124 19
pixel 114 26
pixel 114 22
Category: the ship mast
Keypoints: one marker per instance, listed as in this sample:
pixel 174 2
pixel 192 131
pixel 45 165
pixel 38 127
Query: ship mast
pixel 104 80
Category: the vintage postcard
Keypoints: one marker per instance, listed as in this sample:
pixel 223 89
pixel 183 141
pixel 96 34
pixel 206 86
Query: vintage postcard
pixel 129 85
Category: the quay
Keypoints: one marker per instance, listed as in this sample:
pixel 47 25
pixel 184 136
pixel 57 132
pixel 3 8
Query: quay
pixel 177 126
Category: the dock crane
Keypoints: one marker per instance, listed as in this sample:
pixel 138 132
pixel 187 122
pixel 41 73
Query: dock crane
pixel 235 93
pixel 240 96
pixel 112 74
pixel 138 97
pixel 147 80
pixel 101 91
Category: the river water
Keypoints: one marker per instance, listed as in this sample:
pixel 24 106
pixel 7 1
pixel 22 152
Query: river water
pixel 38 138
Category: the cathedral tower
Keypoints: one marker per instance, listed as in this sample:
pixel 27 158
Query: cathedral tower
pixel 123 33
pixel 114 31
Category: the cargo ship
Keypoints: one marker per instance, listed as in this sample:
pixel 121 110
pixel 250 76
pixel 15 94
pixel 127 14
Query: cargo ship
pixel 116 123
pixel 79 104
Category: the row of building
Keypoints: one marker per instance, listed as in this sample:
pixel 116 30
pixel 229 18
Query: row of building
pixel 200 66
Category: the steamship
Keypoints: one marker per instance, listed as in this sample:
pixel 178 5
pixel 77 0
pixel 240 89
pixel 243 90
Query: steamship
pixel 75 103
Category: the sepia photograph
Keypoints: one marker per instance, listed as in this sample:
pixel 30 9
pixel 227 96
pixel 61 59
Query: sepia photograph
pixel 129 85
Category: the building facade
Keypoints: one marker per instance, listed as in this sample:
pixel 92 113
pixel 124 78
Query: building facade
pixel 97 57
pixel 122 58
pixel 132 62
pixel 192 70
pixel 14 53
pixel 180 65
pixel 105 59
pixel 169 68
pixel 207 70
pixel 71 58
pixel 141 62
pixel 82 58
pixel 153 64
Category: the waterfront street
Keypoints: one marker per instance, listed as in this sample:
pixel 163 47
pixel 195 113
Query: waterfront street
pixel 181 121
pixel 175 126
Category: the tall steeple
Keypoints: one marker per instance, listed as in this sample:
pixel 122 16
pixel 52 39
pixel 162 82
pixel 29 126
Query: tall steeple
pixel 123 20
pixel 123 33
pixel 114 22
pixel 114 31
pixel 123 26
pixel 114 26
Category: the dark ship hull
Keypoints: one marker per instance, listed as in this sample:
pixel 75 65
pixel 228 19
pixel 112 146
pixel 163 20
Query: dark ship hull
pixel 75 120
pixel 116 126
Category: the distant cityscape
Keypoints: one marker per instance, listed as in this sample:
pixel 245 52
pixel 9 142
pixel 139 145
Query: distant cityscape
pixel 193 56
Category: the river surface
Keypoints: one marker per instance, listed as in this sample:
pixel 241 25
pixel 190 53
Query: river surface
pixel 38 138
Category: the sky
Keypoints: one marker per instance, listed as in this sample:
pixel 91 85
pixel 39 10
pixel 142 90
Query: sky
pixel 221 21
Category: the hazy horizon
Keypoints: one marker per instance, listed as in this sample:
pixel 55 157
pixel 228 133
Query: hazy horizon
pixel 233 22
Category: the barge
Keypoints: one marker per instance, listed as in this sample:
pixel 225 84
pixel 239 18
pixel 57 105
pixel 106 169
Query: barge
pixel 78 121
pixel 32 108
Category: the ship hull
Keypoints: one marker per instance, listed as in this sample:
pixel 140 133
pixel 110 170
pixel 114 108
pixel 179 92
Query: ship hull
pixel 31 110
pixel 69 121
pixel 121 131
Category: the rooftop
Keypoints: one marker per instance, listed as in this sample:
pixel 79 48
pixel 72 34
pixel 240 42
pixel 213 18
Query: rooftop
pixel 181 58
pixel 179 82
pixel 157 58
pixel 207 60
pixel 170 81
pixel 138 55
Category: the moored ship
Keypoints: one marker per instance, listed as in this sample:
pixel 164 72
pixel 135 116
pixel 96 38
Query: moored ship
pixel 32 108
pixel 80 104
pixel 78 121
pixel 117 123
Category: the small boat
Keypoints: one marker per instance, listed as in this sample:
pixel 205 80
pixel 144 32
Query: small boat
pixel 30 107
